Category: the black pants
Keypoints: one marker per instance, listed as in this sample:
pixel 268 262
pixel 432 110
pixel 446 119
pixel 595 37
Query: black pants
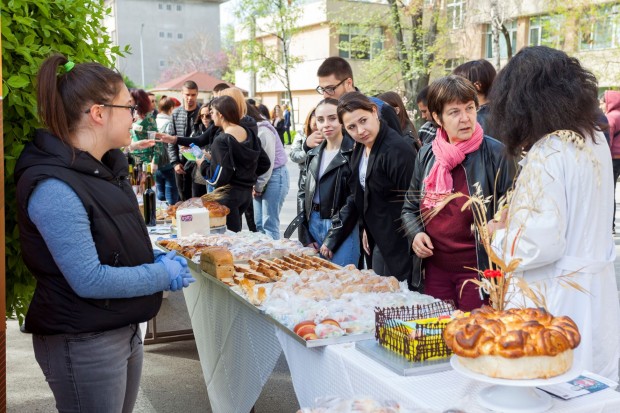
pixel 186 185
pixel 249 217
pixel 237 200
pixel 616 166
pixel 288 132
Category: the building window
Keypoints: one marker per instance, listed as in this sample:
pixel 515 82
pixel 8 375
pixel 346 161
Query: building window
pixel 546 31
pixel 160 6
pixel 357 42
pixel 169 35
pixel 162 35
pixel 179 7
pixel 511 26
pixel 162 63
pixel 452 64
pixel 168 7
pixel 179 36
pixel 600 28
pixel 455 10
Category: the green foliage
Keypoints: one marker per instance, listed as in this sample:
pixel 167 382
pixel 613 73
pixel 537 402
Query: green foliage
pixel 269 26
pixel 31 31
pixel 129 83
pixel 412 39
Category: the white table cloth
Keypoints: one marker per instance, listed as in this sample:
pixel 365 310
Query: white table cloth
pixel 341 370
pixel 237 346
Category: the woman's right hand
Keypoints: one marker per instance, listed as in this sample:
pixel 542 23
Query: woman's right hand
pixel 164 137
pixel 143 144
pixel 422 245
pixel 314 139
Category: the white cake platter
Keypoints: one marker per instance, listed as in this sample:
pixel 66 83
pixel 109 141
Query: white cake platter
pixel 515 396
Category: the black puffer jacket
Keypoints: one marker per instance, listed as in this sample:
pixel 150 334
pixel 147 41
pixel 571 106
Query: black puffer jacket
pixel 489 166
pixel 117 228
pixel 334 190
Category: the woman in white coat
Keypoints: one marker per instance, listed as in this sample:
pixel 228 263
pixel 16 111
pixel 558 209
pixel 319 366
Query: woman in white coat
pixel 545 103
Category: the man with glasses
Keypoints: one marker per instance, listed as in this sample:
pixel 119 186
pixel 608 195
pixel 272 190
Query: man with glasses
pixel 183 124
pixel 335 79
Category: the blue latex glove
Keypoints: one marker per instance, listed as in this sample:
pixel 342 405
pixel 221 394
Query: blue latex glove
pixel 177 270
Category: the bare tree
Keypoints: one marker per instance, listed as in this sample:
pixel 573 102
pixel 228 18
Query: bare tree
pixel 269 26
pixel 413 26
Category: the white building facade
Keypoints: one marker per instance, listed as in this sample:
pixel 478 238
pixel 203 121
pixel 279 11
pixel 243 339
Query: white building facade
pixel 156 29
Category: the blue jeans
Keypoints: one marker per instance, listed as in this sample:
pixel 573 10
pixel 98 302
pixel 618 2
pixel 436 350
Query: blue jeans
pixel 92 372
pixel 166 186
pixel 268 206
pixel 349 250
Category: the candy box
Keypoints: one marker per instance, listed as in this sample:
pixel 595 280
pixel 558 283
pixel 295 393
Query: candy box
pixel 414 332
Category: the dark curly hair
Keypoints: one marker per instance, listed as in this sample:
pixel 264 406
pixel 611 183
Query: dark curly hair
pixel 539 91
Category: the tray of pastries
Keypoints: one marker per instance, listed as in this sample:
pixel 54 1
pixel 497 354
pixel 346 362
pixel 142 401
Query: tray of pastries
pixel 244 245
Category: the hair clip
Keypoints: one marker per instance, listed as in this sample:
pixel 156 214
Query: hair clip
pixel 68 66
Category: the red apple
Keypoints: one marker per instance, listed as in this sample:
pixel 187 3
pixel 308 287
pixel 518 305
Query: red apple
pixel 303 323
pixel 307 329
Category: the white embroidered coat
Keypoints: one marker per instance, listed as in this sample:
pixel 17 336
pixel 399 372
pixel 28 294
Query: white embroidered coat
pixel 562 213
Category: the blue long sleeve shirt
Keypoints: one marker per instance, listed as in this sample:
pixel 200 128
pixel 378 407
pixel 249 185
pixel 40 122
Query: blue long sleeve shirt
pixel 71 243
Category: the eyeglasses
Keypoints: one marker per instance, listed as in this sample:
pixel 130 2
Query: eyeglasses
pixel 330 90
pixel 205 116
pixel 132 109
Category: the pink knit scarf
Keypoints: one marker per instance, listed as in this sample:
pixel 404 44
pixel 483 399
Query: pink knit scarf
pixel 438 184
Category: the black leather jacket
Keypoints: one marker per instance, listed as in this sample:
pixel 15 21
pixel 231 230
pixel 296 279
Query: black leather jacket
pixel 488 166
pixel 334 191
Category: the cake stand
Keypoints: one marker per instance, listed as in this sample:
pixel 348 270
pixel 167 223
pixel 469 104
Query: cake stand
pixel 515 396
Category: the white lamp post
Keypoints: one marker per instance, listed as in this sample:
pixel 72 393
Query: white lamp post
pixel 142 55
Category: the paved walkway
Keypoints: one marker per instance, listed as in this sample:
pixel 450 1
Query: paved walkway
pixel 172 378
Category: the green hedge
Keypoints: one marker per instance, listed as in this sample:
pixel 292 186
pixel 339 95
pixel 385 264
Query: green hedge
pixel 31 31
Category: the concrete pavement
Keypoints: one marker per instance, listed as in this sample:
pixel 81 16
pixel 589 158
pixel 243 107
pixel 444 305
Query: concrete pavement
pixel 172 378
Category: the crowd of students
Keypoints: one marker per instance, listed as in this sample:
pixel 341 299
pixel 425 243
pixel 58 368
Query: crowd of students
pixel 372 192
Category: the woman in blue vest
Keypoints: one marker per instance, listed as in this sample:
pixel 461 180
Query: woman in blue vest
pixel 85 242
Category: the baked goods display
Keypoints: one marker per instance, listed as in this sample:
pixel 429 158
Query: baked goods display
pixel 217 211
pixel 346 295
pixel 217 261
pixel 243 245
pixel 513 344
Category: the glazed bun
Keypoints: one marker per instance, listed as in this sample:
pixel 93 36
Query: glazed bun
pixel 513 334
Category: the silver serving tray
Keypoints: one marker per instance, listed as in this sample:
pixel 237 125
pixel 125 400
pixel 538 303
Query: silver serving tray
pixel 398 363
pixel 195 269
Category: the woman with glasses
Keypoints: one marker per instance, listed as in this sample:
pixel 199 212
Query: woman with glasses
pixel 381 171
pixel 460 159
pixel 85 242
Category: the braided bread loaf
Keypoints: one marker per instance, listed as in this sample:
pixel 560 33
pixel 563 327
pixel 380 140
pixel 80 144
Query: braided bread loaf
pixel 516 344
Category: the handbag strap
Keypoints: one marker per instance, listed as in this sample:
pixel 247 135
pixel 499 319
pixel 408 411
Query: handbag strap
pixel 294 224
